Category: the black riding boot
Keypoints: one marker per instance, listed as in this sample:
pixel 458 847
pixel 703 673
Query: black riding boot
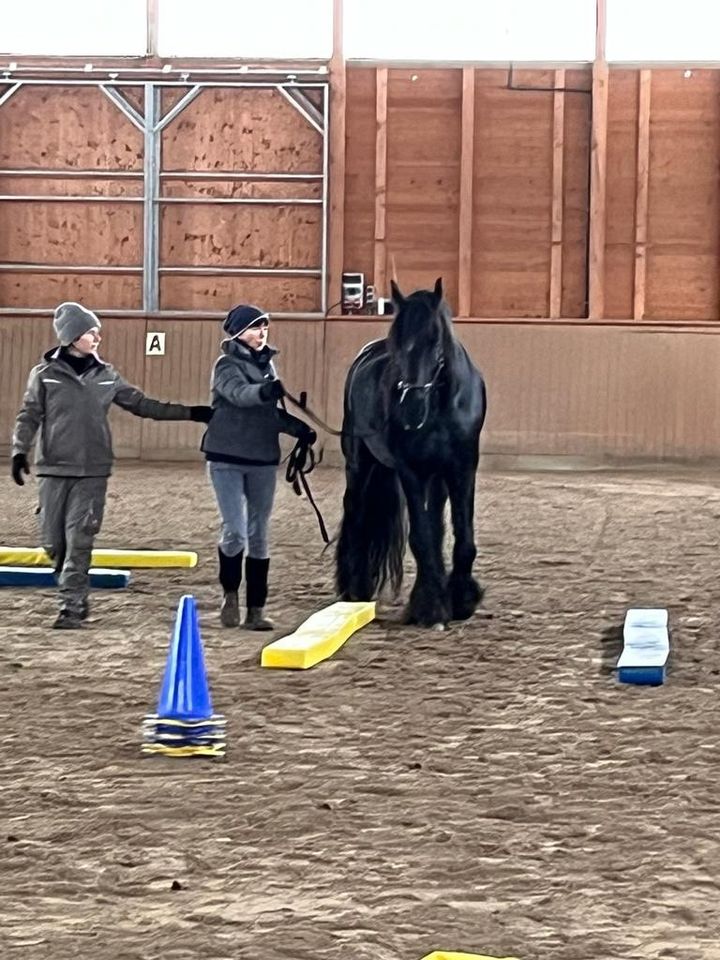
pixel 256 580
pixel 230 575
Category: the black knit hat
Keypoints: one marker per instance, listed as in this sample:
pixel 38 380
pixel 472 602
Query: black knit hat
pixel 241 317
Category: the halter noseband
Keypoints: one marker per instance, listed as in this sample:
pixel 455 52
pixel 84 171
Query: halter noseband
pixel 404 387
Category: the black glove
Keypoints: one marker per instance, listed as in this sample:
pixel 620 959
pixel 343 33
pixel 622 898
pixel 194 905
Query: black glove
pixel 272 390
pixel 308 436
pixel 19 467
pixel 201 414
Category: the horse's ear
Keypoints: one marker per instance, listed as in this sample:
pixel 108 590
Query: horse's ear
pixel 397 296
pixel 438 291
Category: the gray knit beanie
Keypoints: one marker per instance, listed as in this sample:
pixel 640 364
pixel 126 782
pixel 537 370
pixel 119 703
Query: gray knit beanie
pixel 71 321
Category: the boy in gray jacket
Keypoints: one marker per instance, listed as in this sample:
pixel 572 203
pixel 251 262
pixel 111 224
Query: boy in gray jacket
pixel 67 401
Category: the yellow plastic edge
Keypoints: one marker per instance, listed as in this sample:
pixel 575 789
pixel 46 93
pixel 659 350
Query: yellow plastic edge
pixel 444 955
pixel 319 637
pixel 36 557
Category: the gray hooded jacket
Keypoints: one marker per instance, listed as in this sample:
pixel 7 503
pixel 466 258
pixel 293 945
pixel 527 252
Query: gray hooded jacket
pixel 71 413
pixel 245 429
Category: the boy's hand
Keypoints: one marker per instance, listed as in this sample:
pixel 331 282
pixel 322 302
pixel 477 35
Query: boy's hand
pixel 19 467
pixel 201 414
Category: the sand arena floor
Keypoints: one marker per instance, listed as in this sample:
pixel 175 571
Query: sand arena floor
pixel 490 789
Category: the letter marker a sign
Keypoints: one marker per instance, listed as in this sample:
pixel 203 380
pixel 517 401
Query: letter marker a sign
pixel 155 344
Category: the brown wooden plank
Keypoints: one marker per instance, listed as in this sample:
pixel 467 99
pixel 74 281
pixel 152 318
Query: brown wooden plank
pixel 360 171
pixel 576 195
pixel 598 169
pixel 556 264
pixel 465 214
pixel 512 196
pixel 641 192
pixel 336 173
pixel 683 252
pixel 380 259
pixel 423 181
pixel 598 188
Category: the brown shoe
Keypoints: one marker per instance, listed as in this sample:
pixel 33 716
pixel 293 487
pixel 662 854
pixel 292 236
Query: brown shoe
pixel 230 609
pixel 67 621
pixel 256 621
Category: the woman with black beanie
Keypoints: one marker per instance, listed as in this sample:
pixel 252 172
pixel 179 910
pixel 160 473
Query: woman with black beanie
pixel 242 448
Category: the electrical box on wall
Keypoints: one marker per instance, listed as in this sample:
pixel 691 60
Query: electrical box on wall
pixel 353 292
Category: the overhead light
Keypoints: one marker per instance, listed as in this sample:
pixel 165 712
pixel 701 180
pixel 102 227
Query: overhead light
pixel 12 66
pixel 167 67
pixel 113 76
pixel 244 68
pixel 88 68
pixel 185 76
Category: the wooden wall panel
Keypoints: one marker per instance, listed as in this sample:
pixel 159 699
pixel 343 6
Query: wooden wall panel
pixel 243 236
pixel 280 294
pixel 684 196
pixel 599 391
pixel 241 129
pixel 423 177
pixel 620 210
pixel 46 290
pixel 56 127
pixel 71 233
pixel 360 171
pixel 587 390
pixel 512 195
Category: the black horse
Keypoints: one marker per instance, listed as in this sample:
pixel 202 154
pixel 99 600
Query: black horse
pixel 414 408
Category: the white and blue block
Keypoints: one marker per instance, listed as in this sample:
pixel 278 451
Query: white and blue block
pixel 104 578
pixel 646 647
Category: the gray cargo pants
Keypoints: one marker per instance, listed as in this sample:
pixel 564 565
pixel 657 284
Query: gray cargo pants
pixel 70 515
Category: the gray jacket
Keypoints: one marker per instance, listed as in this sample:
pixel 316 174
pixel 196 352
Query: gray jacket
pixel 245 429
pixel 71 413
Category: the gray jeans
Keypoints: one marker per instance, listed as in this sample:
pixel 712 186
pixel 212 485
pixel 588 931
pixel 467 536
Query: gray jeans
pixel 70 515
pixel 245 498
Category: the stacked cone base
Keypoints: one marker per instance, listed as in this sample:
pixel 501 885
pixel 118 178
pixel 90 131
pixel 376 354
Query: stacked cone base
pixel 171 737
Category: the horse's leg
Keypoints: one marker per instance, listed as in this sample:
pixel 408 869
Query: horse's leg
pixel 464 591
pixel 351 560
pixel 427 605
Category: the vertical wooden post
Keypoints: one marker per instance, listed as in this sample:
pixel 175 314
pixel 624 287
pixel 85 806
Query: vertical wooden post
pixel 465 212
pixel 598 171
pixel 556 249
pixel 380 265
pixel 641 192
pixel 336 195
pixel 151 28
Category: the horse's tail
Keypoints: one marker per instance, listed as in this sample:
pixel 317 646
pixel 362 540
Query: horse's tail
pixel 371 546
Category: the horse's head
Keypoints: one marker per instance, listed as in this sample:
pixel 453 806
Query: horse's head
pixel 418 338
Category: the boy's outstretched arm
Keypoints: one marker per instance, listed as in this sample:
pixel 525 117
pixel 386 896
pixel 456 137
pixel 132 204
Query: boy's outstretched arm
pixel 134 400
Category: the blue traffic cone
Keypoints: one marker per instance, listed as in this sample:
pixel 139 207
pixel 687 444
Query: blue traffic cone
pixel 185 693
